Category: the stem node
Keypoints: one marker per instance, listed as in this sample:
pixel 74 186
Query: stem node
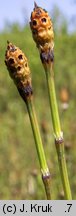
pixel 46 180
pixel 59 140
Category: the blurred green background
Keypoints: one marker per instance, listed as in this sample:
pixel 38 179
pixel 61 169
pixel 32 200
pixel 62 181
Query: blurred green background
pixel 19 168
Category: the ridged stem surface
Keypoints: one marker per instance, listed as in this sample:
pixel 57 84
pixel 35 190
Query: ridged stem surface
pixel 57 132
pixel 40 151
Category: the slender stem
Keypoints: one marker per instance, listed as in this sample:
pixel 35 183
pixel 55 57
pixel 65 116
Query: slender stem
pixel 57 131
pixel 53 102
pixel 63 170
pixel 39 147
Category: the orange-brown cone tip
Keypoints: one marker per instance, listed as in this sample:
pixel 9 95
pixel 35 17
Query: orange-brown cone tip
pixel 17 65
pixel 42 28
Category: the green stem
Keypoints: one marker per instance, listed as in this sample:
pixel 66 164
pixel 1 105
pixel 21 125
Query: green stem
pixel 39 147
pixel 53 103
pixel 57 131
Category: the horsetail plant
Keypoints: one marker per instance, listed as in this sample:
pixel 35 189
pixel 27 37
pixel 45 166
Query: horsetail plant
pixel 17 65
pixel 43 34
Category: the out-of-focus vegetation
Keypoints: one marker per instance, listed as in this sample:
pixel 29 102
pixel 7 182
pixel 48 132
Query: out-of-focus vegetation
pixel 19 168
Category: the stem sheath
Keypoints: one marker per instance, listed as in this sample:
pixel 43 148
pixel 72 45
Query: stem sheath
pixel 59 142
pixel 40 151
